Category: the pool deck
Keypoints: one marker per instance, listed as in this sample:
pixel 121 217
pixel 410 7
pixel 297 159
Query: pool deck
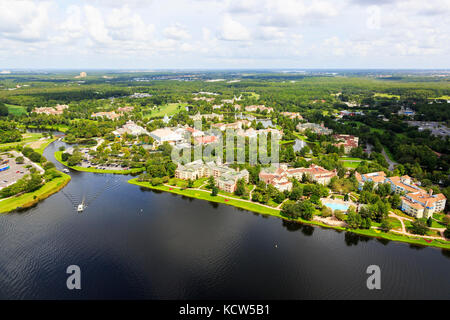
pixel 340 202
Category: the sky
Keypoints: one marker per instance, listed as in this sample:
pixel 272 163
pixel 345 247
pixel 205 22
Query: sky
pixel 209 34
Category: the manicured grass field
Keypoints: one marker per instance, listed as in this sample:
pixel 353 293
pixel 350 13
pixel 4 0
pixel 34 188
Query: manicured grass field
pixel 441 98
pixel 253 95
pixel 58 155
pixel 169 109
pixel 16 110
pixel 26 138
pixel 44 145
pixel 386 95
pixel 29 199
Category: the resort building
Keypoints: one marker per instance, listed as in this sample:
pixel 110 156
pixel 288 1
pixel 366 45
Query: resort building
pixel 421 204
pixel 279 177
pixel 292 115
pixel 235 125
pixel 206 139
pixel 57 110
pixel 403 184
pixel 130 128
pixel 165 135
pixel 112 115
pixel 406 112
pixel 415 200
pixel 314 127
pixel 261 108
pixel 204 99
pixel 347 113
pixel 251 133
pixel 199 117
pixel 348 141
pixel 194 132
pixel 375 177
pixel 125 109
pixel 226 178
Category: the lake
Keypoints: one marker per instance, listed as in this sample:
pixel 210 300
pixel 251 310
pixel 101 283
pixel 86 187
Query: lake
pixel 134 243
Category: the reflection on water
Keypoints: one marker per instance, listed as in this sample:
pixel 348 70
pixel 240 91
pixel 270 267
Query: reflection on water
pixel 135 243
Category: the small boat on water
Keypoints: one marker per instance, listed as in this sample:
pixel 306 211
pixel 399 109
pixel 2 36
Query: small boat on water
pixel 81 206
pixel 66 170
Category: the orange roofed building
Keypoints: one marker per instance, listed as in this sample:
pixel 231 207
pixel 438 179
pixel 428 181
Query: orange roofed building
pixel 279 177
pixel 415 201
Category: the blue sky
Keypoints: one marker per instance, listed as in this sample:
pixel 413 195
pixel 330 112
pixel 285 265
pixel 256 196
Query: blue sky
pixel 140 34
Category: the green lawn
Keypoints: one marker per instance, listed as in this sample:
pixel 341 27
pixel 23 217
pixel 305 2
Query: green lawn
pixel 386 95
pixel 41 149
pixel 253 95
pixel 16 110
pixel 29 199
pixel 169 109
pixel 350 164
pixel 441 98
pixel 26 137
pixel 93 170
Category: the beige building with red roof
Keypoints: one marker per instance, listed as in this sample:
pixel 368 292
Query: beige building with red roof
pixel 348 141
pixel 57 110
pixel 375 177
pixel 261 108
pixel 415 200
pixel 421 204
pixel 279 177
pixel 292 115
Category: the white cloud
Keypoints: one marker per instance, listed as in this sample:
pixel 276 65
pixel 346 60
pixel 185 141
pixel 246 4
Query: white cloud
pixel 24 20
pixel 260 32
pixel 177 32
pixel 232 30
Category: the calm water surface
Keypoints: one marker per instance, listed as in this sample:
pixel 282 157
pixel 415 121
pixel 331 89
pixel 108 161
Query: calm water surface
pixel 140 244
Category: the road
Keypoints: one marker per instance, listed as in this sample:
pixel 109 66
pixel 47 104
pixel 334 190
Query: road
pixel 389 161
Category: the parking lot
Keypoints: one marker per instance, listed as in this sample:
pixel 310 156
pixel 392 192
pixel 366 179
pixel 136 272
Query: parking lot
pixel 15 172
pixel 436 128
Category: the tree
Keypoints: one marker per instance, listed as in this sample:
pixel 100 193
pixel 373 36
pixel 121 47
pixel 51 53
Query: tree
pixel 190 183
pixel 214 191
pixel 419 227
pixel 446 220
pixel 395 201
pixel 20 160
pixel 429 221
pixel 241 190
pixel 211 183
pixel 306 209
pixel 3 110
pixel 303 209
pixel 385 225
pixel 296 193
pixel 354 220
pixel 326 212
pixel 447 232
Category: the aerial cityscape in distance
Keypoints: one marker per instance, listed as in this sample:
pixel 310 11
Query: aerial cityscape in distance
pixel 263 150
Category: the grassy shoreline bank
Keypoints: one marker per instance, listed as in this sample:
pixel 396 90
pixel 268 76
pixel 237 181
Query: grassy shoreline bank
pixel 254 207
pixel 29 199
pixel 58 158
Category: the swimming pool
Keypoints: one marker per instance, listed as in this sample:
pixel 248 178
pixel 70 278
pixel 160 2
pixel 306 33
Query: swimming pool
pixel 337 206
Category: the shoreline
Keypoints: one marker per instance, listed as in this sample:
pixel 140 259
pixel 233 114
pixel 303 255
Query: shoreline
pixel 257 208
pixel 58 154
pixel 28 199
